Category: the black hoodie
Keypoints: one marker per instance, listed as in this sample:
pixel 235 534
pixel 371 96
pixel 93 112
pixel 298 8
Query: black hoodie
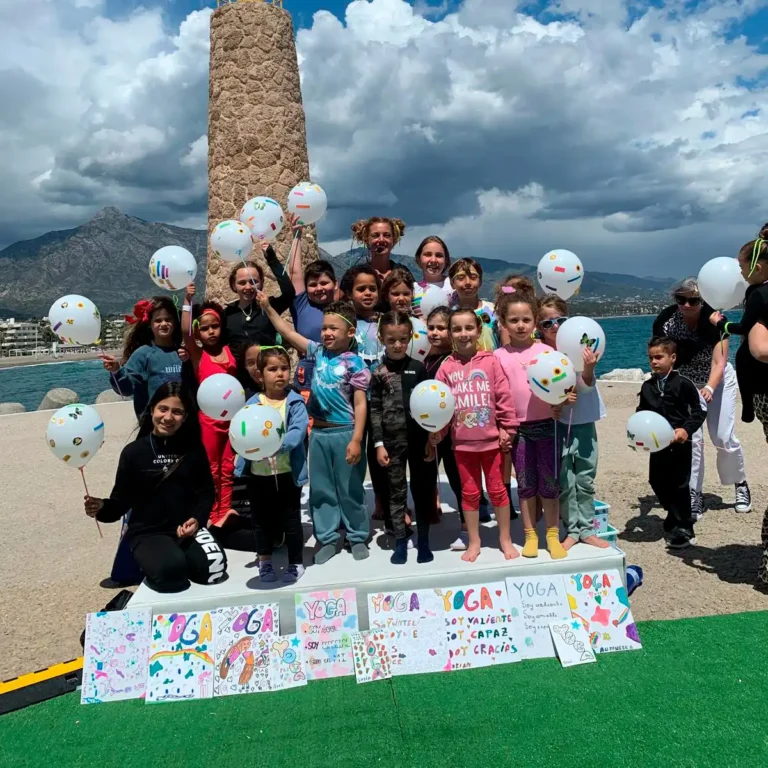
pixel 676 399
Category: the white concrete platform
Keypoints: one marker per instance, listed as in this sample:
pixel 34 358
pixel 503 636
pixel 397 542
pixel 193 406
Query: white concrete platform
pixel 377 574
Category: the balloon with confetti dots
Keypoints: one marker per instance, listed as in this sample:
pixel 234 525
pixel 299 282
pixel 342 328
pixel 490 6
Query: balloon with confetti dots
pixel 75 434
pixel 75 320
pixel 231 240
pixel 256 432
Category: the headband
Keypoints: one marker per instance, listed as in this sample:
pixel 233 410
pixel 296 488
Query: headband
pixel 211 311
pixel 756 248
pixel 141 312
pixel 350 324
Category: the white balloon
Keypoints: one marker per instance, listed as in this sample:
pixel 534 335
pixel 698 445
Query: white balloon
pixel 308 201
pixel 648 431
pixel 721 284
pixel 429 298
pixel 75 433
pixel 432 405
pixel 256 432
pixel 551 376
pixel 560 272
pixel 220 396
pixel 172 268
pixel 575 334
pixel 75 320
pixel 419 347
pixel 264 217
pixel 231 240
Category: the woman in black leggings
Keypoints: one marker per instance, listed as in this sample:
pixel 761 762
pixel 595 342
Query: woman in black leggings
pixel 163 478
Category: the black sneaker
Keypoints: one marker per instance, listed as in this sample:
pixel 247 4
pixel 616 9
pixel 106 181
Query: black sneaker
pixel 743 498
pixel 697 505
pixel 681 540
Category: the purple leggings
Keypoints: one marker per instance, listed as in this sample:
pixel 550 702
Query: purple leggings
pixel 534 456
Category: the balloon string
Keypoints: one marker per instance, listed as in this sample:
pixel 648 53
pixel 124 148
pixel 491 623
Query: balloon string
pixel 88 493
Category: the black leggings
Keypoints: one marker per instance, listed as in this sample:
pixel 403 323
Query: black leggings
pixel 236 533
pixel 170 563
pixel 276 507
pixel 410 452
pixel 448 457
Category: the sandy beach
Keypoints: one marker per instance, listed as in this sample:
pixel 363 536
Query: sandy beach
pixel 53 559
pixel 20 361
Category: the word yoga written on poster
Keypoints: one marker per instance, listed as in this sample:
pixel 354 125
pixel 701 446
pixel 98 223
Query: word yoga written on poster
pixel 600 601
pixel 181 657
pixel 115 655
pixel 243 640
pixel 413 626
pixel 571 643
pixel 536 602
pixel 371 656
pixel 287 663
pixel 326 620
pixel 479 625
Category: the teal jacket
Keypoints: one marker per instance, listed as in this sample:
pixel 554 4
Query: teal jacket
pixel 294 441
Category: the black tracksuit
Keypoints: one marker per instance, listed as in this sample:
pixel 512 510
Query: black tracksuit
pixel 677 400
pixel 164 483
pixel 392 383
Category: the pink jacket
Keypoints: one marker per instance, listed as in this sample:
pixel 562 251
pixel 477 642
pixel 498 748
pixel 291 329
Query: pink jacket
pixel 515 364
pixel 484 401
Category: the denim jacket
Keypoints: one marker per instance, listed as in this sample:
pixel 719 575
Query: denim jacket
pixel 297 423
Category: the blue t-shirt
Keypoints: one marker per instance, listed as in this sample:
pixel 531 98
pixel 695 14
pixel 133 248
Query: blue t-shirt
pixel 307 320
pixel 147 368
pixel 336 376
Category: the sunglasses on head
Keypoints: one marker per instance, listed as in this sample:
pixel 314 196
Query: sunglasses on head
pixel 691 301
pixel 552 322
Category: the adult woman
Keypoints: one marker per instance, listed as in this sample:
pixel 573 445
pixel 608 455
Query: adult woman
pixel 703 357
pixel 379 235
pixel 243 319
pixel 164 480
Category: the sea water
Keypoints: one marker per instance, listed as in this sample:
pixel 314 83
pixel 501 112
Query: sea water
pixel 626 347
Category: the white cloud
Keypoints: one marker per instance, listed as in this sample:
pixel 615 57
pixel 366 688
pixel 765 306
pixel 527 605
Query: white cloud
pixel 635 143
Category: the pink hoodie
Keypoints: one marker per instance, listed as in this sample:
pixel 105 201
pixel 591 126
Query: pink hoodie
pixel 484 401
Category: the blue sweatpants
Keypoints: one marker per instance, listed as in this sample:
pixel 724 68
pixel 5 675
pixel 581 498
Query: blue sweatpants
pixel 336 490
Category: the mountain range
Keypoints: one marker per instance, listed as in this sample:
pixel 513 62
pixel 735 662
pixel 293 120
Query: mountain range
pixel 106 259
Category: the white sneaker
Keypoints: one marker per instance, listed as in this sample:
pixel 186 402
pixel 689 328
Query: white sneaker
pixel 743 498
pixel 461 543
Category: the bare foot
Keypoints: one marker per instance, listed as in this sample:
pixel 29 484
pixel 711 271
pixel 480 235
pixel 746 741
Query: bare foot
pixel 473 550
pixel 508 548
pixel 596 541
pixel 568 542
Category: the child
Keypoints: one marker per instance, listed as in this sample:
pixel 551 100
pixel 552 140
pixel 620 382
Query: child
pixel 150 355
pixel 337 404
pixel 274 484
pixel 398 440
pixel 510 284
pixel 483 426
pixel 213 357
pixel 397 291
pixel 433 258
pixel 534 455
pixel 578 467
pixel 466 278
pixel 438 333
pixel 676 398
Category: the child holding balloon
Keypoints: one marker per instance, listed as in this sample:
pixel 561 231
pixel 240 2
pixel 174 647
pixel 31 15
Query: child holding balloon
pixel 398 440
pixel 274 484
pixel 434 259
pixel 150 354
pixel 466 278
pixel 483 427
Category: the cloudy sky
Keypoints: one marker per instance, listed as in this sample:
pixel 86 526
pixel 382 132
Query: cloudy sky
pixel 634 133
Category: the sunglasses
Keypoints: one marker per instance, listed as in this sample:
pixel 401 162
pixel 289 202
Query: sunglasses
pixel 550 323
pixel 691 301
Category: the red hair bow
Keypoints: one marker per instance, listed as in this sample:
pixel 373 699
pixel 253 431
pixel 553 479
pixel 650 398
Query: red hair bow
pixel 141 310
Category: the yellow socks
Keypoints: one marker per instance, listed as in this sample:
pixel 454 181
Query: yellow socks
pixel 556 551
pixel 531 546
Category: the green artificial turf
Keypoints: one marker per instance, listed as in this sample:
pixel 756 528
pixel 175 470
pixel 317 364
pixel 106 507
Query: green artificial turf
pixel 696 695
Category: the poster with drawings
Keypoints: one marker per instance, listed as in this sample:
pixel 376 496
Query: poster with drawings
pixel 181 657
pixel 413 625
pixel 571 643
pixel 600 601
pixel 286 663
pixel 371 656
pixel 325 620
pixel 115 655
pixel 535 602
pixel 479 625
pixel 243 640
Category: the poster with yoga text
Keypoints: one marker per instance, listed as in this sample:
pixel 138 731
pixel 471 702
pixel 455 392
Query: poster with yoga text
pixel 371 656
pixel 413 625
pixel 479 625
pixel 325 620
pixel 181 657
pixel 115 655
pixel 243 640
pixel 286 663
pixel 536 602
pixel 600 601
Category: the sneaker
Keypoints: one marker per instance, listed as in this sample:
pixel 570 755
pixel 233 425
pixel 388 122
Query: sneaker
pixel 743 498
pixel 266 571
pixel 293 573
pixel 461 543
pixel 681 539
pixel 697 505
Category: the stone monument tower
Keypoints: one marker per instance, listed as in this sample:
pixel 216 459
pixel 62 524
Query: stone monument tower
pixel 257 141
